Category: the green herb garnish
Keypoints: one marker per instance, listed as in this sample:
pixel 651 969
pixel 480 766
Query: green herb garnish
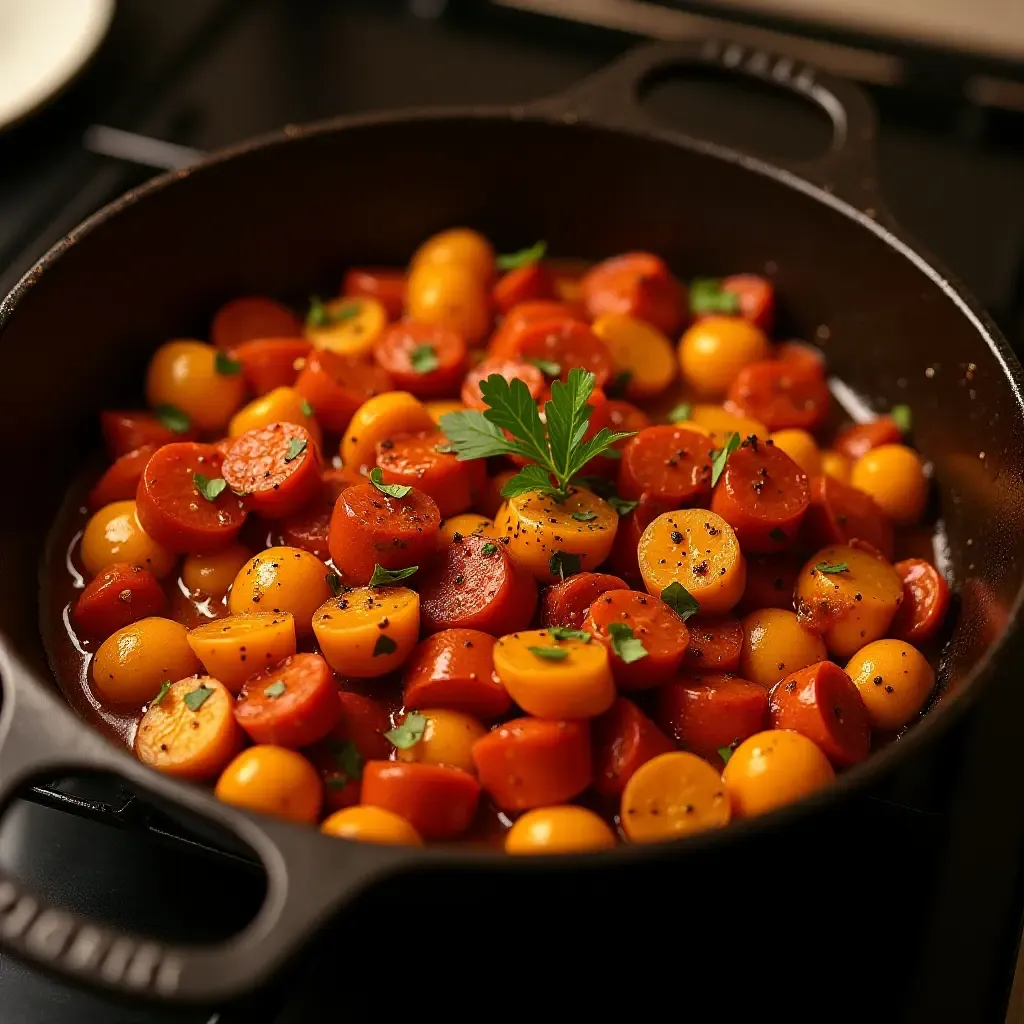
pixel 320 316
pixel 624 643
pixel 584 517
pixel 333 580
pixel 680 600
pixel 225 365
pixel 725 753
pixel 173 419
pixel 616 388
pixel 550 653
pixel 489 550
pixel 307 408
pixel 383 577
pixel 558 449
pixel 423 359
pixel 384 645
pixel 622 506
pixel 546 366
pixel 161 693
pixel 514 260
pixel 901 417
pixel 563 564
pixel 444 449
pixel 679 413
pixel 209 487
pixel 409 733
pixel 391 490
pixel 707 296
pixel 196 698
pixel 564 633
pixel 720 456
pixel 831 568
pixel 350 762
pixel 296 446
pixel 275 690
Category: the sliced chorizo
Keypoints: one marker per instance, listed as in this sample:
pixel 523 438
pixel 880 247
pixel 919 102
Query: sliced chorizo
pixel 371 528
pixel 771 580
pixel 763 495
pixel 335 386
pixel 277 468
pixel 250 317
pixel 925 602
pixel 623 739
pixel 668 466
pixel 839 513
pixel 859 438
pixel 510 369
pixel 121 480
pixel 782 395
pixel 638 284
pixel 645 638
pixel 715 645
pixel 174 510
pixel 384 284
pixel 567 603
pixel 823 704
pixel 292 704
pixel 439 802
pixel 756 298
pixel 523 284
pixel 125 431
pixel 505 340
pixel 534 762
pixel 120 595
pixel 427 360
pixel 708 711
pixel 427 460
pixel 454 669
pixel 269 363
pixel 475 584
pixel 565 345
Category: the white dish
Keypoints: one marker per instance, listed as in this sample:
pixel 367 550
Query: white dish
pixel 44 44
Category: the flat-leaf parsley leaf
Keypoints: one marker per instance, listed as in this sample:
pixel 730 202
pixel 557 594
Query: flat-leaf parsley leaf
pixel 680 600
pixel 831 568
pixel 624 643
pixel 209 487
pixel 720 456
pixel 707 296
pixel 550 653
pixel 423 359
pixel 523 258
pixel 408 733
pixel 196 698
pixel 173 419
pixel 391 490
pixel 296 446
pixel 383 577
pixel 564 633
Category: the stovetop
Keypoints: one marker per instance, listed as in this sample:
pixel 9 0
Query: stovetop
pixel 206 73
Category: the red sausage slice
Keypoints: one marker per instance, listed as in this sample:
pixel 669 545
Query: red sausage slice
pixel 839 513
pixel 623 739
pixel 662 633
pixel 771 580
pixel 428 461
pixel 756 295
pixel 121 480
pixel 309 528
pixel 822 703
pixel 666 465
pixel 439 802
pixel 924 604
pixel 524 284
pixel 781 395
pixel 533 762
pixel 859 438
pixel 269 363
pixel 709 711
pixel 358 737
pixel 250 317
pixel 475 584
pixel 120 595
pixel 368 528
pixel 567 603
pixel 277 468
pixel 455 669
pixel 426 360
pixel 716 643
pixel 384 284
pixel 171 508
pixel 504 343
pixel 763 495
pixel 623 560
pixel 292 704
pixel 566 344
pixel 126 431
pixel 335 386
pixel 510 369
pixel 638 284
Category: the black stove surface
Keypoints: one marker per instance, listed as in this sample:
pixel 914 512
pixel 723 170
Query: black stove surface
pixel 207 73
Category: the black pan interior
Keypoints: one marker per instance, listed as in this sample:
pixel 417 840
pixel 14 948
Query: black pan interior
pixel 287 218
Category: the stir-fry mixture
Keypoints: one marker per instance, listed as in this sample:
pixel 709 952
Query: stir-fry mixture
pixel 503 548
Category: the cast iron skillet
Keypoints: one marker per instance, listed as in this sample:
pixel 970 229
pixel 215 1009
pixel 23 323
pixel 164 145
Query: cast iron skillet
pixel 591 173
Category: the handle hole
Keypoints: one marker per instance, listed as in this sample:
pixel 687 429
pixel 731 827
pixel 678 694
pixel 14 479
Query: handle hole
pixel 127 864
pixel 756 117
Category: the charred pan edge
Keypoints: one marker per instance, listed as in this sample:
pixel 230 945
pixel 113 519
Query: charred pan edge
pixel 880 763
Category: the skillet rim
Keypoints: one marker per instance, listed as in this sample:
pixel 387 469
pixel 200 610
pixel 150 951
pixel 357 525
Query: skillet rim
pixel 934 722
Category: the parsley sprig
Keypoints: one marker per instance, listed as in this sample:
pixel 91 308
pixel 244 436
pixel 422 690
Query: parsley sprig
pixel 557 450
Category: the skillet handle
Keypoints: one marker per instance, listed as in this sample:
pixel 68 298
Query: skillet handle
pixel 612 97
pixel 308 876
